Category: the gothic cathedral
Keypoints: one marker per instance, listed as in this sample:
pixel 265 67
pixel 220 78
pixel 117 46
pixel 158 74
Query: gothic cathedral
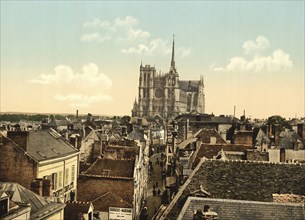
pixel 166 95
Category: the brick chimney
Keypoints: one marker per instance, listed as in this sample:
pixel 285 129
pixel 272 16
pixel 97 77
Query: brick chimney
pixel 47 188
pixel 36 186
pixel 19 137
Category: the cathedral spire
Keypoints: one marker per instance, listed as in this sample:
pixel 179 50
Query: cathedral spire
pixel 173 67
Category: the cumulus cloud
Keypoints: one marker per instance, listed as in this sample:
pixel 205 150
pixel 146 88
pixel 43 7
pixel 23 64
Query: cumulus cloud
pixel 105 30
pixel 137 33
pixel 127 21
pixel 77 89
pixel 255 47
pixel 277 61
pixel 156 46
pixel 126 30
pixel 148 49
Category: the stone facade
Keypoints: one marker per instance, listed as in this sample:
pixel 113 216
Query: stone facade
pixel 166 95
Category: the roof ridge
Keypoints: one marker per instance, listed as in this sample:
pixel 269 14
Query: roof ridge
pixel 183 187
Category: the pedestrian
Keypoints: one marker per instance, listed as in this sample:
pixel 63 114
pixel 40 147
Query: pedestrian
pixel 158 192
pixel 155 210
pixel 156 184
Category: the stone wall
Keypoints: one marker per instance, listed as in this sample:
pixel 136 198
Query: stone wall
pixel 242 210
pixel 257 155
pixel 249 180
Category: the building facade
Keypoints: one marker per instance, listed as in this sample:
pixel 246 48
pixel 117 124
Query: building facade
pixel 41 161
pixel 166 95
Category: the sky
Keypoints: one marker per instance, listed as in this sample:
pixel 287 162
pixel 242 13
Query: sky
pixel 63 56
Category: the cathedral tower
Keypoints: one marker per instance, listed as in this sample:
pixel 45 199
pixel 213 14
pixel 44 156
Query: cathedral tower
pixel 166 95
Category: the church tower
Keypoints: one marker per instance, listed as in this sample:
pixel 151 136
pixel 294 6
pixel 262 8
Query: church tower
pixel 165 94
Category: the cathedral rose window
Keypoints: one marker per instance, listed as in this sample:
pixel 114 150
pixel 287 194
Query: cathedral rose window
pixel 158 93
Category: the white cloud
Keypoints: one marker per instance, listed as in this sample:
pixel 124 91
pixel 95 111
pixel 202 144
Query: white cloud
pixel 277 61
pixel 126 30
pixel 128 21
pixel 137 33
pixel 156 46
pixel 77 88
pixel 95 37
pixel 106 30
pixel 255 47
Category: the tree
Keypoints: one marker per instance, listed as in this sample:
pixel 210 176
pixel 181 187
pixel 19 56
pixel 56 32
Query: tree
pixel 276 119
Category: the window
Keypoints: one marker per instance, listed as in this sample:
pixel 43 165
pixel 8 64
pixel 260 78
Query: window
pixel 67 176
pixel 54 181
pixel 73 173
pixel 60 179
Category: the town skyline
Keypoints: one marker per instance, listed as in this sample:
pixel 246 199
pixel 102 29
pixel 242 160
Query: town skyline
pixel 68 56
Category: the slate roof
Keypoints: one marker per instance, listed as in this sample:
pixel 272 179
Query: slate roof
pixel 47 144
pixel 94 134
pixel 136 135
pixel 189 85
pixel 116 168
pixel 288 137
pixel 40 207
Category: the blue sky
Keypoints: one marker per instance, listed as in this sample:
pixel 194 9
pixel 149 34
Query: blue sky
pixel 59 56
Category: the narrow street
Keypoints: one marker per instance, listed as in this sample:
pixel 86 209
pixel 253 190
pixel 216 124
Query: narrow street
pixel 155 179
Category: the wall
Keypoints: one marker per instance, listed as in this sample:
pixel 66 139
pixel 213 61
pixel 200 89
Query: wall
pixel 295 154
pixel 241 210
pixel 15 166
pixel 61 166
pixel 257 155
pixel 58 216
pixel 274 155
pixel 243 137
pixel 254 180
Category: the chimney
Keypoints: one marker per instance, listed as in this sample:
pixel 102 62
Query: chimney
pixel 301 130
pixel 19 137
pixel 47 187
pixel 76 114
pixel 36 186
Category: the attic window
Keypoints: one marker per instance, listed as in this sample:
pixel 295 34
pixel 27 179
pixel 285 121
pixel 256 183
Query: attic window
pixel 41 154
pixel 106 172
pixel 55 151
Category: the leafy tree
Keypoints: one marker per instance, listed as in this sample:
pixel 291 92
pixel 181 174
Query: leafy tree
pixel 276 119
